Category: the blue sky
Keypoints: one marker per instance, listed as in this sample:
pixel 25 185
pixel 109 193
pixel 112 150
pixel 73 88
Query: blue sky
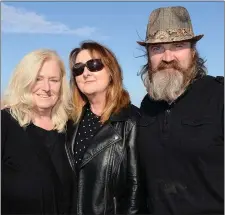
pixel 63 25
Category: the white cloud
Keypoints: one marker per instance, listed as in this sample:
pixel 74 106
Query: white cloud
pixel 19 20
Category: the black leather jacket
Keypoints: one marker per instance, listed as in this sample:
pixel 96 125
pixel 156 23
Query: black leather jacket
pixel 108 181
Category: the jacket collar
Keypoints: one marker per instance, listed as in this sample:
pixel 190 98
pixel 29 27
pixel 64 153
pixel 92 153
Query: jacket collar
pixel 123 115
pixel 106 136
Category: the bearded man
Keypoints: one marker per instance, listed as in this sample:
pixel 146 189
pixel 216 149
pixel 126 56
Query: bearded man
pixel 182 132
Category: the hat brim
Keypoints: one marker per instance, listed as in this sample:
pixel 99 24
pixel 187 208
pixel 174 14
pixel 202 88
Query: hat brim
pixel 195 38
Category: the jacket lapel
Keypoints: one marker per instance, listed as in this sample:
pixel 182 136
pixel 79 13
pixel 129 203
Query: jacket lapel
pixel 105 137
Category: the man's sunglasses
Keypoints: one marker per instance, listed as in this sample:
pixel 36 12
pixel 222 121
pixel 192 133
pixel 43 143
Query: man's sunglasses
pixel 93 65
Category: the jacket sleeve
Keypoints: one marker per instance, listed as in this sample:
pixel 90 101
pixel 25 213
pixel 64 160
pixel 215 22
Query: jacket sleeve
pixel 4 127
pixel 135 190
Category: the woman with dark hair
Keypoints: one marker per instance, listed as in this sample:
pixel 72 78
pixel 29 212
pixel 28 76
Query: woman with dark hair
pixel 101 144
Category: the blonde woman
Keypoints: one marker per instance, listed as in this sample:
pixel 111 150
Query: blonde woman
pixel 101 141
pixel 36 177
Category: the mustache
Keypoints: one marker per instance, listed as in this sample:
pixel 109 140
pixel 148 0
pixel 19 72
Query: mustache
pixel 171 65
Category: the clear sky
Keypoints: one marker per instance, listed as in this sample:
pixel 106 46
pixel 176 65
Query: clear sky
pixel 63 25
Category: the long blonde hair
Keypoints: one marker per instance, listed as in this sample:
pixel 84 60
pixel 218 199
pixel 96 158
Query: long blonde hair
pixel 18 96
pixel 116 97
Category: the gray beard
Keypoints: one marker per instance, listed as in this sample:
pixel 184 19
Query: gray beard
pixel 166 85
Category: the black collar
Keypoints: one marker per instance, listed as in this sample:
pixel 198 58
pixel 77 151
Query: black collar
pixel 124 114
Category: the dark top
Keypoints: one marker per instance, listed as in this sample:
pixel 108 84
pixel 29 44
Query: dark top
pixel 45 137
pixel 36 176
pixel 182 151
pixel 88 127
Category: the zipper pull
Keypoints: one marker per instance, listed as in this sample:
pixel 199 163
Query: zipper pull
pixel 114 203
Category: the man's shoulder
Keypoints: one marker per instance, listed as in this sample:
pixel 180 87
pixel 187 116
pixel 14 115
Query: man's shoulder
pixel 208 88
pixel 218 80
pixel 211 84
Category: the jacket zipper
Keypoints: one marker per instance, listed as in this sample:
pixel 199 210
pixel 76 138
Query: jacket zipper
pixel 114 203
pixel 108 176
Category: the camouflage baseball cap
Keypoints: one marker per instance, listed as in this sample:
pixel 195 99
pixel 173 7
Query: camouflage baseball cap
pixel 169 24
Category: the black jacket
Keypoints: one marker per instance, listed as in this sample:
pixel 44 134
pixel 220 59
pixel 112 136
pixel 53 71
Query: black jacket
pixel 182 151
pixel 108 180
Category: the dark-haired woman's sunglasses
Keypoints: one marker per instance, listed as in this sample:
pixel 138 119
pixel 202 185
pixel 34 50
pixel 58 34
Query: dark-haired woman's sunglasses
pixel 93 65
